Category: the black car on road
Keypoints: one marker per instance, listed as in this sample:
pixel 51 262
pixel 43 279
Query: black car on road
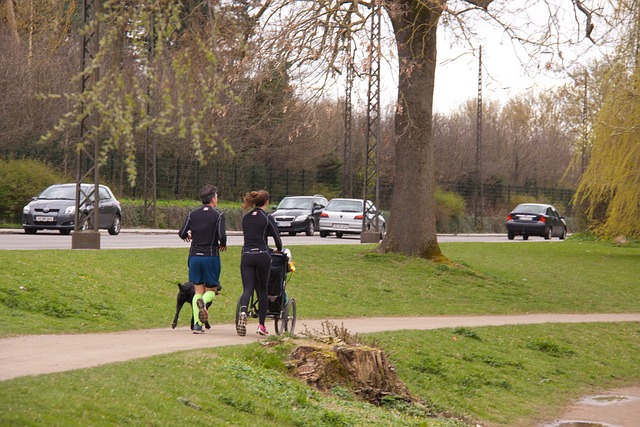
pixel 297 214
pixel 535 219
pixel 55 207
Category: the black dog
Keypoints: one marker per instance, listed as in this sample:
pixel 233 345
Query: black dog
pixel 186 291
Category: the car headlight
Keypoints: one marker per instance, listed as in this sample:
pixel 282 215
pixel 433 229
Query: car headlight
pixel 70 210
pixel 25 210
pixel 301 218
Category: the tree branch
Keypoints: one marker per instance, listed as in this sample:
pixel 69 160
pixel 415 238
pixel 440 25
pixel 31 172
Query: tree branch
pixel 480 3
pixel 587 13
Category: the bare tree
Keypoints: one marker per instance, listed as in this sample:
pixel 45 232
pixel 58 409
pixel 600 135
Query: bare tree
pixel 198 39
pixel 314 32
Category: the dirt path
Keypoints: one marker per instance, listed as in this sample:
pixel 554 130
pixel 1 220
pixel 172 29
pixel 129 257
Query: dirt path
pixel 41 354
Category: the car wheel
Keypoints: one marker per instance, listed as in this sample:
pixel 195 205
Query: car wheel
pixel 65 232
pixel 564 234
pixel 311 228
pixel 324 233
pixel 383 231
pixel 548 234
pixel 30 230
pixel 114 230
pixel 339 234
pixel 510 235
pixel 525 237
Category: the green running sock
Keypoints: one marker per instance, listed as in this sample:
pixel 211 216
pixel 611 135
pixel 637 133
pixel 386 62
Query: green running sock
pixel 196 319
pixel 208 296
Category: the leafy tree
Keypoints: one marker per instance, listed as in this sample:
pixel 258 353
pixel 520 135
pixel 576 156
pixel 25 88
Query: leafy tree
pixel 610 186
pixel 159 76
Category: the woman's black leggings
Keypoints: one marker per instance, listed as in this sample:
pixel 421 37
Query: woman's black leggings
pixel 254 270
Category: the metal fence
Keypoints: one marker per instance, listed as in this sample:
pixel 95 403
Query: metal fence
pixel 179 180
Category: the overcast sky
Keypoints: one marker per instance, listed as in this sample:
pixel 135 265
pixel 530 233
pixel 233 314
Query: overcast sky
pixel 507 69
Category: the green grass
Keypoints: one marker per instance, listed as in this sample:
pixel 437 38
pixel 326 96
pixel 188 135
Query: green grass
pixel 93 291
pixel 238 386
pixel 515 375
pixel 502 376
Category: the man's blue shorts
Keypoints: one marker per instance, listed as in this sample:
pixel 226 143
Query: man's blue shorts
pixel 205 270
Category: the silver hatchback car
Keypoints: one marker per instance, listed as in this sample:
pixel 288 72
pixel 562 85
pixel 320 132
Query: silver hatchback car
pixel 344 216
pixel 55 207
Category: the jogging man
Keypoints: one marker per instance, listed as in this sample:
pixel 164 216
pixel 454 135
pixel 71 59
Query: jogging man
pixel 204 228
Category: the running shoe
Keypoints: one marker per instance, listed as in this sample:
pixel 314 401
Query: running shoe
pixel 262 330
pixel 197 329
pixel 203 315
pixel 241 327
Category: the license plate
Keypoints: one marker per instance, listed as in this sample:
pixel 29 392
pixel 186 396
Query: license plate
pixel 45 219
pixel 341 226
pixel 284 224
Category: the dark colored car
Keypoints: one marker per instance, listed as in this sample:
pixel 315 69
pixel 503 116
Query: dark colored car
pixel 344 216
pixel 297 214
pixel 54 209
pixel 535 219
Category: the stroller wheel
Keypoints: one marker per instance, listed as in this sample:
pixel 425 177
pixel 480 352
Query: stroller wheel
pixel 291 314
pixel 281 321
pixel 286 321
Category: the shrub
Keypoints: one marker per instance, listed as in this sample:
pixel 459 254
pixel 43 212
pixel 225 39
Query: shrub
pixel 450 211
pixel 20 180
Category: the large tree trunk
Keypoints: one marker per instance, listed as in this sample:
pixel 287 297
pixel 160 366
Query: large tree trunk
pixel 412 229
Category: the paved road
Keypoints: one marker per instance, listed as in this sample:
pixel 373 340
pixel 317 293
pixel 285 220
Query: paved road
pixel 141 238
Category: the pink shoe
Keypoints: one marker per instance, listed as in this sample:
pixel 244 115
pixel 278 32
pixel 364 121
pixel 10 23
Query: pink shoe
pixel 262 330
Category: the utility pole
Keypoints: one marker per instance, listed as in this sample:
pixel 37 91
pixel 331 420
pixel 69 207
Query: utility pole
pixel 370 216
pixel 86 234
pixel 150 147
pixel 347 166
pixel 480 185
pixel 584 125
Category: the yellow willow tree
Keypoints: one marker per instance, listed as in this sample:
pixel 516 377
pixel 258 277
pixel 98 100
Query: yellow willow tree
pixel 160 64
pixel 610 186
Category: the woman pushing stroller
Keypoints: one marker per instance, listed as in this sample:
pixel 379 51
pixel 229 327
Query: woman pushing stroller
pixel 255 262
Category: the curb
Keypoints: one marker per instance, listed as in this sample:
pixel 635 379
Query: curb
pixel 234 232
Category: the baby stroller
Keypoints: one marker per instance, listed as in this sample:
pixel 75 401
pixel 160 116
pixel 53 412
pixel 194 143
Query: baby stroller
pixel 281 308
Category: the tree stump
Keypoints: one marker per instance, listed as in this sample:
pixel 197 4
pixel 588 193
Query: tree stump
pixel 365 370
